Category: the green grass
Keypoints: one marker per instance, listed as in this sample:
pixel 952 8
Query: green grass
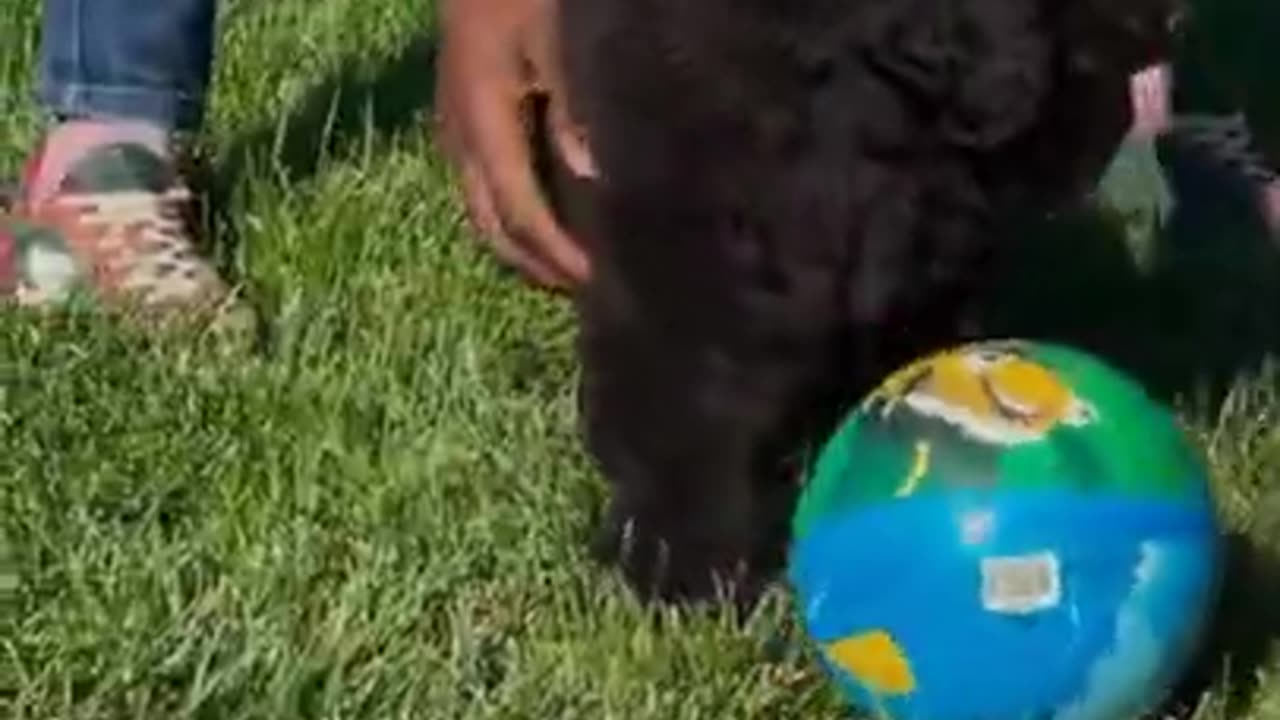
pixel 381 514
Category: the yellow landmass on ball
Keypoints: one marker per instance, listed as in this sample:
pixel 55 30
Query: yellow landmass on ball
pixel 876 661
pixel 993 394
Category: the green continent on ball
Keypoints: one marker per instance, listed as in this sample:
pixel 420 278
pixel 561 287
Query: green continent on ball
pixel 1012 414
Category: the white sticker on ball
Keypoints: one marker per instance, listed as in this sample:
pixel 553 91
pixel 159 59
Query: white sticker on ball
pixel 1021 585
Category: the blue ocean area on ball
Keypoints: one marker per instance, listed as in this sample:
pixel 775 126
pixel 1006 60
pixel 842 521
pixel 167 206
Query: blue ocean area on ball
pixel 1108 610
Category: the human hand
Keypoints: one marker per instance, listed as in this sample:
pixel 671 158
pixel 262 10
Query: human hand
pixel 496 57
pixel 1149 93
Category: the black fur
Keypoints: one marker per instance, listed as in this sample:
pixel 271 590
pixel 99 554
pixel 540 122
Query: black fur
pixel 795 197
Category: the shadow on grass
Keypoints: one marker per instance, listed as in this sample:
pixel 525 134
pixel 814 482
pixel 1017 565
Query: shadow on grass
pixel 337 116
pixel 339 111
pixel 1242 633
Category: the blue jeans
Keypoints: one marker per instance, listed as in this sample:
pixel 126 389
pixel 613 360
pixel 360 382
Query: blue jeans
pixel 132 59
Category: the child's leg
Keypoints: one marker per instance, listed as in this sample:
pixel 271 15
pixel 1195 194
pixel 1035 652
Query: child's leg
pixel 103 205
pixel 124 59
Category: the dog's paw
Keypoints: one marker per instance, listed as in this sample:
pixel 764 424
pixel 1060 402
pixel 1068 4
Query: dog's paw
pixel 674 567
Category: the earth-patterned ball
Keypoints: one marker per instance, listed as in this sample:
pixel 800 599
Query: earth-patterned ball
pixel 1007 530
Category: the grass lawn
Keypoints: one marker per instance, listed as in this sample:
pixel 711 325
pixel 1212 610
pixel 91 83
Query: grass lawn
pixel 381 513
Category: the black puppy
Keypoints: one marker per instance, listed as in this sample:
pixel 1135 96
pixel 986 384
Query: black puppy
pixel 796 196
